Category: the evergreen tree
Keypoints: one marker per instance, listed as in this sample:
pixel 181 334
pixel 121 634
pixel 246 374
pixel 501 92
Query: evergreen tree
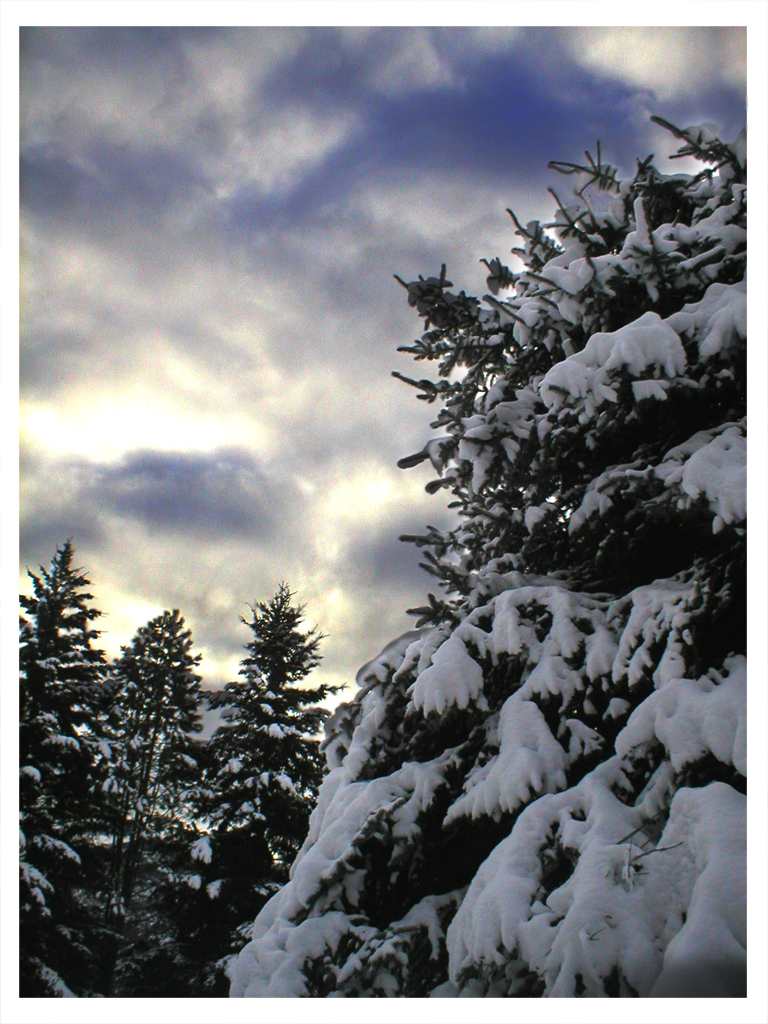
pixel 269 763
pixel 61 689
pixel 543 793
pixel 152 785
pixel 264 769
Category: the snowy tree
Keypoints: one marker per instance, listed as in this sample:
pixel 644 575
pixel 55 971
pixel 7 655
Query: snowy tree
pixel 543 791
pixel 61 688
pixel 152 780
pixel 267 752
pixel 264 768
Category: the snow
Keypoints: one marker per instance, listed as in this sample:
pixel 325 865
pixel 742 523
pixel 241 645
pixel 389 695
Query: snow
pixel 529 761
pixel 617 708
pixel 624 901
pixel 648 343
pixel 61 741
pixel 718 470
pixel 644 389
pixel 712 464
pixel 335 778
pixel 707 956
pixel 201 850
pixel 619 904
pixel 502 909
pixel 452 678
pixel 36 882
pixel 511 634
pixel 695 717
pixel 54 982
pixel 653 636
pixel 601 651
pixel 717 320
pixel 534 514
pixel 325 872
pixel 424 915
pixel 57 846
pixel 377 668
pixel 275 972
pixel 284 781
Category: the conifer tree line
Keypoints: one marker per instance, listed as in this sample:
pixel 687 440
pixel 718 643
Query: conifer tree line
pixel 145 852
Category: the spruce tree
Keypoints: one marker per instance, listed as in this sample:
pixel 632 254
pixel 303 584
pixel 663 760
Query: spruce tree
pixel 151 786
pixel 269 764
pixel 544 792
pixel 62 686
pixel 264 768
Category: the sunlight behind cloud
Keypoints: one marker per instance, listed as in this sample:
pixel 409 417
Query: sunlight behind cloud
pixel 446 208
pixel 106 426
pixel 356 499
pixel 368 494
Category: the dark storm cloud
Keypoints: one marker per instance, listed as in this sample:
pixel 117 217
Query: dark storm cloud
pixel 214 494
pixel 207 496
pixel 498 116
pixel 433 124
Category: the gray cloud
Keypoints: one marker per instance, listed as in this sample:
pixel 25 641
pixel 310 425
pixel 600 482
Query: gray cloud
pixel 381 559
pixel 212 495
pixel 220 493
pixel 41 534
pixel 51 507
pixel 108 180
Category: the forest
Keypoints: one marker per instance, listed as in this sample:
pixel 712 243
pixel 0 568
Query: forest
pixel 146 852
pixel 540 793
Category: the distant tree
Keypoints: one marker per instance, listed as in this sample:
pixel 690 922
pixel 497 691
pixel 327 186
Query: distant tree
pixel 543 794
pixel 62 686
pixel 153 774
pixel 264 768
pixel 267 754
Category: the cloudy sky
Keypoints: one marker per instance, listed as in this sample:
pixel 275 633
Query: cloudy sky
pixel 210 224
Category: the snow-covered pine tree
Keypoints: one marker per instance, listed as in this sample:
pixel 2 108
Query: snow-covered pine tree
pixel 61 687
pixel 264 768
pixel 544 792
pixel 152 783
